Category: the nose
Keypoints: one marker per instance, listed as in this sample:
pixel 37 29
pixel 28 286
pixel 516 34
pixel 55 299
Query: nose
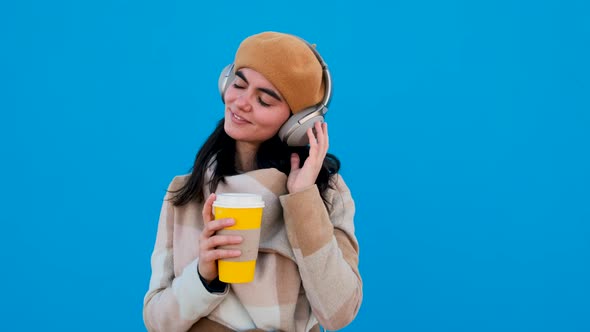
pixel 242 102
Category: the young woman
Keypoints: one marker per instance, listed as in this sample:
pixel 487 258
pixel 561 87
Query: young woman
pixel 307 266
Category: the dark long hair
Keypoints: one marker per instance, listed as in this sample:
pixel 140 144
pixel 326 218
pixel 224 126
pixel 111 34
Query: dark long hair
pixel 220 149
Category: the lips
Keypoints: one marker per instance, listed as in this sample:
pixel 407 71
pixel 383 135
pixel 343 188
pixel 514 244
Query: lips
pixel 238 119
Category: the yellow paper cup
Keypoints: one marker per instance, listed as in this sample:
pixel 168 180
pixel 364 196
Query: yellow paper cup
pixel 246 210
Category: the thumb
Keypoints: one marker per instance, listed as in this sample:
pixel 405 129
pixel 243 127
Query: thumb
pixel 294 161
pixel 207 208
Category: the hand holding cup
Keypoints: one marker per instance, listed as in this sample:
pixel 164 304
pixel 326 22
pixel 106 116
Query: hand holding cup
pixel 210 242
pixel 246 210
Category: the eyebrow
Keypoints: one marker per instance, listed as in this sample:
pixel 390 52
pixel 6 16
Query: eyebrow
pixel 265 90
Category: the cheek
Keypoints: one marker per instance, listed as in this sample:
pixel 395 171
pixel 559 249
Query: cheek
pixel 277 119
pixel 285 114
pixel 229 95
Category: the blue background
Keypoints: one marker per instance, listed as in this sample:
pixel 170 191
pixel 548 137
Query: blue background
pixel 463 128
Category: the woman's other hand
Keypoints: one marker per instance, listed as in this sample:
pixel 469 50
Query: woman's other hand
pixel 303 177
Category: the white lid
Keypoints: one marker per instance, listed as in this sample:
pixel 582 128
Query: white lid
pixel 238 200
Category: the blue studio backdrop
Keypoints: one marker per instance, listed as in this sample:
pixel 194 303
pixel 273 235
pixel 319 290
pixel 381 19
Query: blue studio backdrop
pixel 463 128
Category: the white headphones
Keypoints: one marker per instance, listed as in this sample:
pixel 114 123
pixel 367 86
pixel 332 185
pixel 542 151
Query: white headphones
pixel 294 131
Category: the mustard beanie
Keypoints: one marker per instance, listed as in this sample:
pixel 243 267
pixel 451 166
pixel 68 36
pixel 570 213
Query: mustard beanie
pixel 288 63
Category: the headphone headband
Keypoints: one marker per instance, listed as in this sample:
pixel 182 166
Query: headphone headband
pixel 325 74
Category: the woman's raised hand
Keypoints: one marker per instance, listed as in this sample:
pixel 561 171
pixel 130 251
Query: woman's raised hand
pixel 303 177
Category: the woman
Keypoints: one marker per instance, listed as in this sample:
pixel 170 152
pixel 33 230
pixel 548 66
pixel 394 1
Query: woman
pixel 307 267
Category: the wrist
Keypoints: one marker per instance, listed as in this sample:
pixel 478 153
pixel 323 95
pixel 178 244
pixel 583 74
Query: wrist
pixel 212 286
pixel 295 190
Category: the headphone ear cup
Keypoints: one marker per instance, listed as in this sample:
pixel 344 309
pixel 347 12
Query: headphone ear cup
pixel 226 76
pixel 294 133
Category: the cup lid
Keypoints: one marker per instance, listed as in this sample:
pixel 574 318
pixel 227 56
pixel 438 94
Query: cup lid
pixel 238 200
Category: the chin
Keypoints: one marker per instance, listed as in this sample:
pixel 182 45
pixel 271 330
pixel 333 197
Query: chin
pixel 231 131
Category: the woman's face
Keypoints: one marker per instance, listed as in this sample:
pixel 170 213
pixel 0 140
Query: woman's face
pixel 254 108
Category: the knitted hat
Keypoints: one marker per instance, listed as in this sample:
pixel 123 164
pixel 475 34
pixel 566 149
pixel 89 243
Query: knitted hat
pixel 288 63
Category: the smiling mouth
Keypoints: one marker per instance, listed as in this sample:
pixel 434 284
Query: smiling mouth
pixel 238 118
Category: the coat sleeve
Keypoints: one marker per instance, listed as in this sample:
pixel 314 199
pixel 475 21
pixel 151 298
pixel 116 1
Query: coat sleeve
pixel 174 303
pixel 326 251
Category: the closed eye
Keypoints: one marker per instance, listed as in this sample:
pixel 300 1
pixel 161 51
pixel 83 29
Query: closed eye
pixel 262 102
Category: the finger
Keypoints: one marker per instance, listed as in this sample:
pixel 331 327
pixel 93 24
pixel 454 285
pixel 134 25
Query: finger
pixel 208 209
pixel 208 239
pixel 223 240
pixel 313 144
pixel 294 161
pixel 320 134
pixel 218 224
pixel 325 137
pixel 310 135
pixel 213 255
